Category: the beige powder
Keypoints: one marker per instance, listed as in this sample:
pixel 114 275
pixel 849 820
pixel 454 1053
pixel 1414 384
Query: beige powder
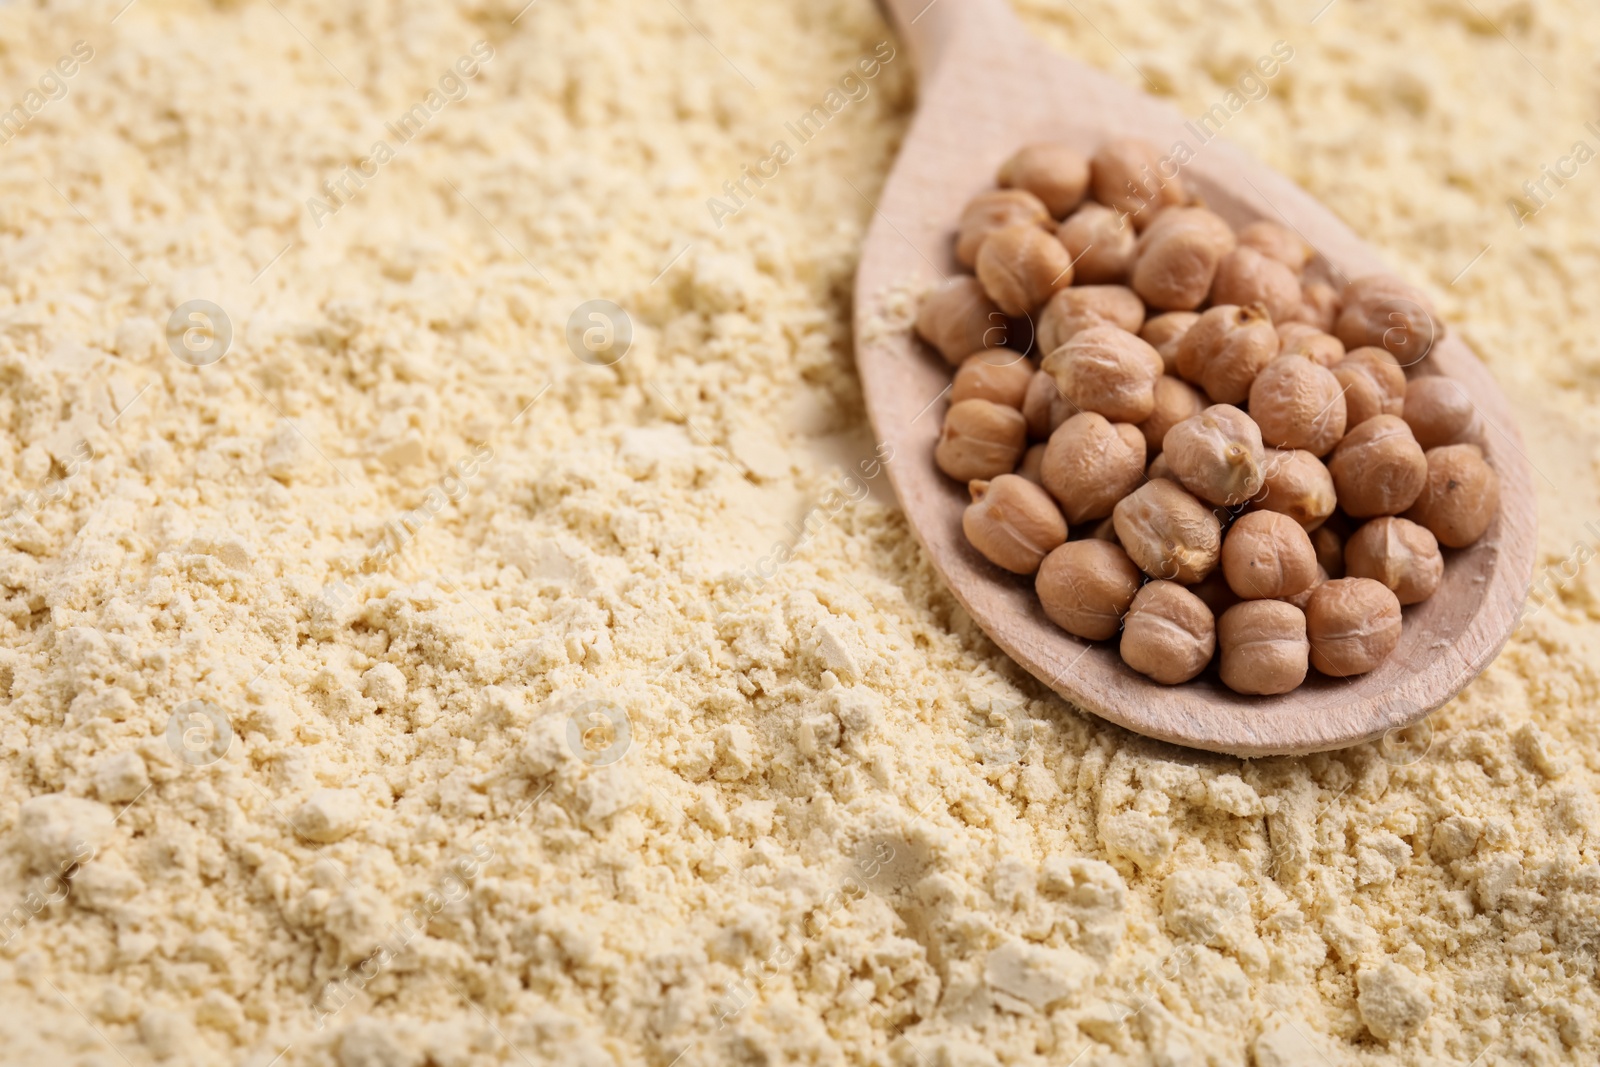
pixel 402 690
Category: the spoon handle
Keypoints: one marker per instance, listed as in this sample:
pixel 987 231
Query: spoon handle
pixel 929 27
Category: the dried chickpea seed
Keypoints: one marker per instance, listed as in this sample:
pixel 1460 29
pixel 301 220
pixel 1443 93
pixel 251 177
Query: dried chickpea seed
pixel 1352 625
pixel 1330 550
pixel 1217 455
pixel 1381 311
pixel 1054 173
pixel 1398 553
pixel 1246 276
pixel 1278 242
pixel 1091 463
pixel 1176 400
pixel 1319 306
pixel 1440 412
pixel 1073 310
pixel 958 319
pixel 1378 469
pixel 1460 495
pixel 1224 351
pixel 1373 384
pixel 1160 468
pixel 980 439
pixel 999 374
pixel 991 212
pixel 1164 332
pixel 1013 523
pixel 1178 258
pixel 1101 244
pixel 1264 648
pixel 1302 600
pixel 1298 404
pixel 1169 634
pixel 1267 556
pixel 1032 465
pixel 1107 370
pixel 1085 587
pixel 1020 266
pixel 1126 177
pixel 1213 591
pixel 1105 530
pixel 1297 484
pixel 1168 533
pixel 1044 407
pixel 1302 339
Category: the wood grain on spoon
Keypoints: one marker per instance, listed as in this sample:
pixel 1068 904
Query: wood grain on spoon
pixel 987 88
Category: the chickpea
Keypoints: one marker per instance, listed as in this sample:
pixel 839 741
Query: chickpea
pixel 1176 400
pixel 1352 625
pixel 1277 242
pixel 1297 404
pixel 1013 523
pixel 1085 587
pixel 1054 173
pixel 1107 370
pixel 1226 349
pixel 991 212
pixel 1217 455
pixel 1020 266
pixel 1378 469
pixel 1382 311
pixel 1214 592
pixel 1126 177
pixel 1082 306
pixel 1296 484
pixel 999 374
pixel 1319 306
pixel 1044 407
pixel 1178 258
pixel 1091 463
pixel 980 439
pixel 959 319
pixel 1160 468
pixel 1264 648
pixel 1101 244
pixel 1164 332
pixel 1373 384
pixel 1400 554
pixel 1330 550
pixel 1168 533
pixel 1267 556
pixel 1302 599
pixel 1460 496
pixel 1032 465
pixel 1105 530
pixel 1300 339
pixel 1169 634
pixel 1245 277
pixel 1440 412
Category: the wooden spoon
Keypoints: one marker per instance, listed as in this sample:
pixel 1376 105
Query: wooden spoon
pixel 987 88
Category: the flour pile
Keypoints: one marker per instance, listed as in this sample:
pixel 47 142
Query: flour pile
pixel 400 688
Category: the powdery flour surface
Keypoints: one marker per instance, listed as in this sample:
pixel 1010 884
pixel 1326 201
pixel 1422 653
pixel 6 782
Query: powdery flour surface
pixel 817 818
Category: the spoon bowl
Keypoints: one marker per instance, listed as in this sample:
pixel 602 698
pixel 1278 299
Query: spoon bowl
pixel 987 88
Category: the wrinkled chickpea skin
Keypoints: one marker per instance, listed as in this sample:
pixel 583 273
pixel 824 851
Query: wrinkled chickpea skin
pixel 1085 587
pixel 1013 523
pixel 1169 634
pixel 1264 647
pixel 990 212
pixel 980 439
pixel 1352 625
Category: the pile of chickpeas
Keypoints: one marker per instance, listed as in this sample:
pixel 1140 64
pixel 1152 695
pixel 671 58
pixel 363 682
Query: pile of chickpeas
pixel 1215 456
